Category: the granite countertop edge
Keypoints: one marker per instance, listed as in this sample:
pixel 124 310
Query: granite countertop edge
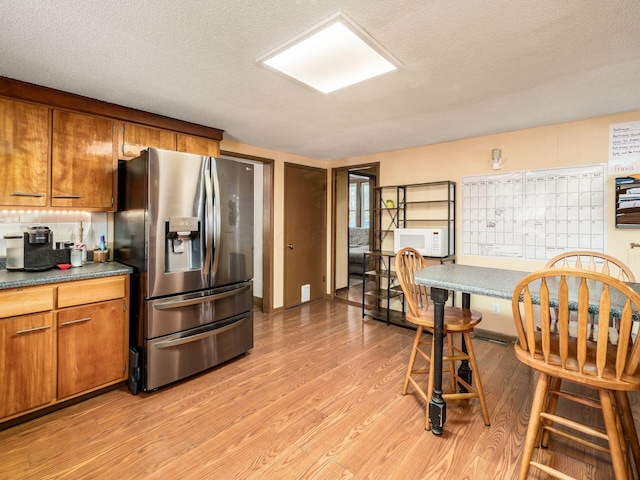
pixel 9 279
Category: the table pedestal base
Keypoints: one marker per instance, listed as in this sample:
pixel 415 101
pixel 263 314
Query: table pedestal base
pixel 437 405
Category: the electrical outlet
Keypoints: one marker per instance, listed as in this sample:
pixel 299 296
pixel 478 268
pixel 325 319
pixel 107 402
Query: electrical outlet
pixel 496 309
pixel 305 293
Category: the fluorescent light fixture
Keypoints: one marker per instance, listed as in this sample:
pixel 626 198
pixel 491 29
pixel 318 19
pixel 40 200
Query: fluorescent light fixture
pixel 331 55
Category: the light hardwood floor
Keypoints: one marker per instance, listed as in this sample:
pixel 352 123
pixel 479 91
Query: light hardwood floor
pixel 318 397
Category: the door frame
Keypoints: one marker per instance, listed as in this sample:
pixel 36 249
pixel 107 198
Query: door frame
pixel 267 225
pixel 324 230
pixel 373 169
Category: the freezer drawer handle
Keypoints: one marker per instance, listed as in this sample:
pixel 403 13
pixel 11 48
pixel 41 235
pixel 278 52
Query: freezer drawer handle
pixel 195 301
pixel 34 329
pixel 79 320
pixel 198 336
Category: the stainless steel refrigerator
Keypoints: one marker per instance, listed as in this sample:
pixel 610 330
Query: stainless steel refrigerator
pixel 185 225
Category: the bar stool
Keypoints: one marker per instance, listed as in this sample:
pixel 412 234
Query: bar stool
pixel 456 321
pixel 594 262
pixel 568 355
pixel 607 265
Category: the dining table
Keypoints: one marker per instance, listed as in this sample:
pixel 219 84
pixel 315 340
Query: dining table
pixel 466 279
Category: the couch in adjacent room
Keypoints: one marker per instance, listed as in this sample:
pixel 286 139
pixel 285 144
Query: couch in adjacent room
pixel 358 245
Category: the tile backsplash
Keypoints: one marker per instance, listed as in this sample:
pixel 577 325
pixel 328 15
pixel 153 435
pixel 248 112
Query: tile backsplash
pixel 64 225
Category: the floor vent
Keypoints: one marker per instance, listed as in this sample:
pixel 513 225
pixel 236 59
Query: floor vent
pixel 504 343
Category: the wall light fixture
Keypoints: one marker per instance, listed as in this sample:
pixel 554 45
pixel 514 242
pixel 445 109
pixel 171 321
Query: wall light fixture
pixel 496 155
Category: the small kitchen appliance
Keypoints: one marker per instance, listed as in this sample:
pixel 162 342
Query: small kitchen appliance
pixel 430 242
pixel 38 249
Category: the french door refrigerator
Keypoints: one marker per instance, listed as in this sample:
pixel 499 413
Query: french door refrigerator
pixel 185 225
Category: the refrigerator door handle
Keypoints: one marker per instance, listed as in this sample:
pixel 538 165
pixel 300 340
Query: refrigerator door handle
pixel 195 301
pixel 216 185
pixel 209 223
pixel 198 336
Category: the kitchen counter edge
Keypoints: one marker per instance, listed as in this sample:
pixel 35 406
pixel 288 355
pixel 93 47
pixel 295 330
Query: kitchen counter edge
pixel 10 279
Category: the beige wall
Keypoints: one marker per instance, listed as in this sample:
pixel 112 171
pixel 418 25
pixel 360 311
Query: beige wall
pixel 575 143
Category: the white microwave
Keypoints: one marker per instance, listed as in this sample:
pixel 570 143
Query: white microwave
pixel 430 242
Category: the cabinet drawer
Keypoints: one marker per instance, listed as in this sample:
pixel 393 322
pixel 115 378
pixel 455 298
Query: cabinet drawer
pixel 21 301
pixel 90 291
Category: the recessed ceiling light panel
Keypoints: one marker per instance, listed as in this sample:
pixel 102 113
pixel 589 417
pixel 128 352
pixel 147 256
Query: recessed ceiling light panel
pixel 332 55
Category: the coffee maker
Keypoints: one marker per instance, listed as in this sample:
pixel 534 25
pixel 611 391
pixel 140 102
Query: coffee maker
pixel 38 249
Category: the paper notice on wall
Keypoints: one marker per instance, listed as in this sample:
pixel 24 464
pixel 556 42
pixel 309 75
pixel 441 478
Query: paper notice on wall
pixel 624 148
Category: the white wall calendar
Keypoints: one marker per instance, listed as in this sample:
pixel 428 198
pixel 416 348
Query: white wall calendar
pixel 534 214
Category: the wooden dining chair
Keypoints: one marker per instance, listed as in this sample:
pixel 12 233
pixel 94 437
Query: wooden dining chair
pixel 456 321
pixel 568 355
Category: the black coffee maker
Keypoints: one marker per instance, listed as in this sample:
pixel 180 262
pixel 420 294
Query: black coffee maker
pixel 38 249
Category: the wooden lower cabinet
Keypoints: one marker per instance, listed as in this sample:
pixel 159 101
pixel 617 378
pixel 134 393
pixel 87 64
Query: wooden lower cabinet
pixel 90 347
pixel 27 363
pixel 60 341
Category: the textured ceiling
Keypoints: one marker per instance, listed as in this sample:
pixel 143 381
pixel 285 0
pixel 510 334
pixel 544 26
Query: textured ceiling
pixel 470 68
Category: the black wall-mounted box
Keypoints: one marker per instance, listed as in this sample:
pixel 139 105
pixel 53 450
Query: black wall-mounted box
pixel 627 202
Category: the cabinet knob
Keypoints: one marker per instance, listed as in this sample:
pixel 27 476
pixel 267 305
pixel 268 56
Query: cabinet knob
pixel 290 246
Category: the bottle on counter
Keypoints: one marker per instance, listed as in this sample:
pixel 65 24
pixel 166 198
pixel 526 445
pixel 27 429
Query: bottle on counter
pixel 15 251
pixel 77 254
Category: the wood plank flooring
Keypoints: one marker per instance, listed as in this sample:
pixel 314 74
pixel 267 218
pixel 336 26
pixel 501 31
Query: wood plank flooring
pixel 317 398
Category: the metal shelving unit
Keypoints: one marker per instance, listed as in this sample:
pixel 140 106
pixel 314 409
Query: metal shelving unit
pixel 377 303
pixel 422 205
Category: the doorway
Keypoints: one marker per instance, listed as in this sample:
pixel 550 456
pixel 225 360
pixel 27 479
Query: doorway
pixel 263 228
pixel 352 214
pixel 305 234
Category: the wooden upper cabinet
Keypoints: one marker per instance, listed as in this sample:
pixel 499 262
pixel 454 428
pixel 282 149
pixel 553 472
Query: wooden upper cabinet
pixel 135 138
pixel 24 148
pixel 83 163
pixel 198 145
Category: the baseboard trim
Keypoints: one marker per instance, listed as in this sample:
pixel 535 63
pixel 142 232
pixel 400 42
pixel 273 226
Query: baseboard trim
pixel 257 302
pixel 491 335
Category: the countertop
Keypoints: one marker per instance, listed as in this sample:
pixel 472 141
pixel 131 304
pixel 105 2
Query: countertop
pixel 10 279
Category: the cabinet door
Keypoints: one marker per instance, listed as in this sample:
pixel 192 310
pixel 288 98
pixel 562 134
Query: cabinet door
pixel 198 145
pixel 135 138
pixel 27 363
pixel 91 347
pixel 24 147
pixel 84 162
